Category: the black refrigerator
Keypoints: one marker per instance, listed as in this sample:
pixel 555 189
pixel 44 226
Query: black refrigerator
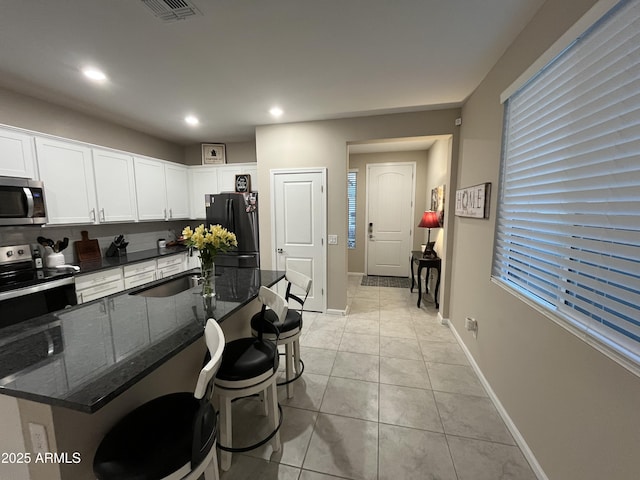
pixel 238 213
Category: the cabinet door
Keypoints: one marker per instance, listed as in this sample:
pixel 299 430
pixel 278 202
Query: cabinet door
pixel 16 154
pixel 115 186
pixel 177 191
pixel 227 178
pixel 67 172
pixel 202 180
pixel 151 191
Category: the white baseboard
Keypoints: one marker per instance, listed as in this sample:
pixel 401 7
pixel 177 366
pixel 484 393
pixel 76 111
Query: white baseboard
pixel 334 311
pixel 442 320
pixel 517 436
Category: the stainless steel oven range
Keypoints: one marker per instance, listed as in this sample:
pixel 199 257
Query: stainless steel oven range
pixel 27 292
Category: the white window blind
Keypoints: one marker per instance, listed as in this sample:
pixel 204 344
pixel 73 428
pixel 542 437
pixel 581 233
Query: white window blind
pixel 352 189
pixel 568 226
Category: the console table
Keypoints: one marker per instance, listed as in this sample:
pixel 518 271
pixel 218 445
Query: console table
pixel 429 263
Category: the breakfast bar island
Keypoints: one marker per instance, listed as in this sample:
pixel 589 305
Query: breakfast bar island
pixel 69 376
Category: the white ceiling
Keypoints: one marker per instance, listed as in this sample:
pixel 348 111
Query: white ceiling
pixel 317 59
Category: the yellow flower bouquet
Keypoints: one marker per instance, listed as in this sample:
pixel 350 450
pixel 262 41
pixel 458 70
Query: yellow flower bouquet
pixel 209 242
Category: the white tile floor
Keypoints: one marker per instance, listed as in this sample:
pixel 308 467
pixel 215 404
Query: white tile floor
pixel 387 393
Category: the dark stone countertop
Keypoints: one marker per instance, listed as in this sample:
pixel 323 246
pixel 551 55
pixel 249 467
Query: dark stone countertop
pixel 85 356
pixel 133 257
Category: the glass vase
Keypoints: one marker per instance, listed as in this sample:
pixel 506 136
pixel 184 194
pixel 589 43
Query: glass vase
pixel 208 276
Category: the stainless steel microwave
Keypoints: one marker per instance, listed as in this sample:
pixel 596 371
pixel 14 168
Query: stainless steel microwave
pixel 21 202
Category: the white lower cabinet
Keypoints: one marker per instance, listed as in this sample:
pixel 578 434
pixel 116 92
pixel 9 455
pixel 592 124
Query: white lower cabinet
pixel 139 273
pixel 100 284
pixel 92 286
pixel 172 265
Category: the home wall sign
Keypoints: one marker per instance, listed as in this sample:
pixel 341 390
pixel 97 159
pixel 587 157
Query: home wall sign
pixel 473 201
pixel 213 154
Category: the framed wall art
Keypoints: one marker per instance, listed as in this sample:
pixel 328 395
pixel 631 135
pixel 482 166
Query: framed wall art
pixel 437 202
pixel 473 201
pixel 213 154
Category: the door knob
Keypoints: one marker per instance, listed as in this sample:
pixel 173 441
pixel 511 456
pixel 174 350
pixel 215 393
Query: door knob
pixel 280 250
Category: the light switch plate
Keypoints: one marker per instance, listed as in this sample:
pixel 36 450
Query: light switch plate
pixel 333 239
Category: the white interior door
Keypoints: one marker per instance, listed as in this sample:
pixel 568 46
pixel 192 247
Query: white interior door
pixel 390 193
pixel 298 223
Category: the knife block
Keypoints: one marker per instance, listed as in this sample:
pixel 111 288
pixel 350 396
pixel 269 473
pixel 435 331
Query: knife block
pixel 116 251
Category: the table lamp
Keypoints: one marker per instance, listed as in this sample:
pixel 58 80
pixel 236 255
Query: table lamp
pixel 429 220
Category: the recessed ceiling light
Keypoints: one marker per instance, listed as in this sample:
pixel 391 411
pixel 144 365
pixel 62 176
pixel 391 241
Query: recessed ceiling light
pixel 191 120
pixel 276 112
pixel 94 74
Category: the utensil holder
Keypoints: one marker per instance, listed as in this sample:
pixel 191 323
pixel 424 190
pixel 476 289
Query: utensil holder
pixel 54 259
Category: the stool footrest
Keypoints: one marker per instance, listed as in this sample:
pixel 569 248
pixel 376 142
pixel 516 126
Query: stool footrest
pixel 286 382
pixel 255 445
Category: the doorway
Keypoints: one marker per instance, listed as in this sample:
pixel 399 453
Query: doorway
pixel 298 227
pixel 390 211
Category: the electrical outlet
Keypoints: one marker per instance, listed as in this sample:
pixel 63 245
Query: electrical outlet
pixel 471 324
pixel 38 438
pixel 332 239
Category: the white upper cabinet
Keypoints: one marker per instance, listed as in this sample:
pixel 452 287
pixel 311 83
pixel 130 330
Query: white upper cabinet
pixel 16 154
pixel 161 190
pixel 115 186
pixel 227 176
pixel 151 191
pixel 67 172
pixel 202 180
pixel 177 183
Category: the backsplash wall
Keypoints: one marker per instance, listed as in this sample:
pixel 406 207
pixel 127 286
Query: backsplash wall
pixel 141 236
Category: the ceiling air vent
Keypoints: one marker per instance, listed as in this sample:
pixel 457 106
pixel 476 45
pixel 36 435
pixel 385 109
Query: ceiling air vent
pixel 172 10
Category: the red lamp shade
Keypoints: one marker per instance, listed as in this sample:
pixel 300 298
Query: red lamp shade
pixel 429 220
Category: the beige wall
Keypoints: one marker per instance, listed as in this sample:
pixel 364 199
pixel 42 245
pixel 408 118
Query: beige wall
pixel 33 114
pixel 356 257
pixel 236 152
pixel 441 172
pixel 576 408
pixel 324 144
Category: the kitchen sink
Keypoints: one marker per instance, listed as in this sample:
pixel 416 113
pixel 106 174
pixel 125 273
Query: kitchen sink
pixel 170 287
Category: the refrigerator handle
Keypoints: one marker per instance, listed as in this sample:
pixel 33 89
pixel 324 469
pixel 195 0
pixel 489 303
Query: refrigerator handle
pixel 232 217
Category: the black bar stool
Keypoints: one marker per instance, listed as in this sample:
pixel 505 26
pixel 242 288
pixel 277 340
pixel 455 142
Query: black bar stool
pixel 249 367
pixel 173 436
pixel 289 329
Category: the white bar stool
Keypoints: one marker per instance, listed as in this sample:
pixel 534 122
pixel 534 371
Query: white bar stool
pixel 169 437
pixel 290 328
pixel 249 367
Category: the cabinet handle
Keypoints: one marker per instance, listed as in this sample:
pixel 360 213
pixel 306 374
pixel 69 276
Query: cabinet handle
pixel 92 214
pixel 165 214
pixel 171 213
pixel 102 214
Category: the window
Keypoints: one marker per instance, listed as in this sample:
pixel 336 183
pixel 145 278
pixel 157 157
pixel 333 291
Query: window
pixel 352 181
pixel 568 225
